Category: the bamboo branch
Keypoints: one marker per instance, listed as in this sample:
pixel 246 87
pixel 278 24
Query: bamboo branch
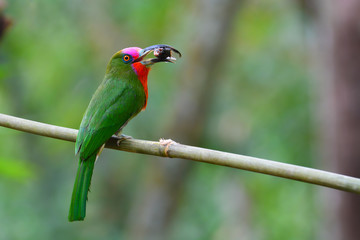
pixel 176 150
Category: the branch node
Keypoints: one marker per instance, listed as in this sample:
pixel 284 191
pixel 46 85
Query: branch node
pixel 166 143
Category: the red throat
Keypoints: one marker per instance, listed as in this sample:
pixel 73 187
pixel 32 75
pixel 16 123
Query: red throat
pixel 142 73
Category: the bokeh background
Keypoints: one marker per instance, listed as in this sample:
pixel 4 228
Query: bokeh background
pixel 270 79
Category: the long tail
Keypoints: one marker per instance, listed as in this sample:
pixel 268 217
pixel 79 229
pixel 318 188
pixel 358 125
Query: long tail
pixel 81 187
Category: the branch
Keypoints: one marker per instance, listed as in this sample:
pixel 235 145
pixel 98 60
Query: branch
pixel 303 174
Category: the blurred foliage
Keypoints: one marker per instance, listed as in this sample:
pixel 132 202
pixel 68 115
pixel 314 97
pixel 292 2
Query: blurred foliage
pixel 13 169
pixel 53 58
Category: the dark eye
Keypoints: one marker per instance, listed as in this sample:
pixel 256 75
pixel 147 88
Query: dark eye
pixel 127 58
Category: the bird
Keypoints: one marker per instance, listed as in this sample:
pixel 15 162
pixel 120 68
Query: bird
pixel 122 94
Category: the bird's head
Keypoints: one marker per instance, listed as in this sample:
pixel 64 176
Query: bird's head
pixel 132 61
pixel 133 58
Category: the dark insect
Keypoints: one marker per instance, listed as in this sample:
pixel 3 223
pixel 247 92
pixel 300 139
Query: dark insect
pixel 163 53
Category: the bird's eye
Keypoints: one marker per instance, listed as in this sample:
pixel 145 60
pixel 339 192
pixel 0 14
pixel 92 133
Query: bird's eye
pixel 126 58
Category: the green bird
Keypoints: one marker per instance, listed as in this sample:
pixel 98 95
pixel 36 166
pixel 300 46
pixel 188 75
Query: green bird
pixel 121 96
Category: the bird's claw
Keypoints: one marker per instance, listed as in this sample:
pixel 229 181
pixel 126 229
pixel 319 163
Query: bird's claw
pixel 121 138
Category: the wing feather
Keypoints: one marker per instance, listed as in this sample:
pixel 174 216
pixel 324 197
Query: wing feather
pixel 112 106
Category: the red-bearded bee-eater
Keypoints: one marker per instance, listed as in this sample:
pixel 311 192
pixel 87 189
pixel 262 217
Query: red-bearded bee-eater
pixel 121 96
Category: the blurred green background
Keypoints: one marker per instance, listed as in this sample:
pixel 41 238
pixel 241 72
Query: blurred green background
pixel 54 56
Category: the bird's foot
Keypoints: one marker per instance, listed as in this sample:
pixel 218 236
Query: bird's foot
pixel 166 143
pixel 122 137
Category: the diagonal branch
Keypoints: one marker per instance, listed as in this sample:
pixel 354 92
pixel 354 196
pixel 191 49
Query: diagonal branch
pixel 303 174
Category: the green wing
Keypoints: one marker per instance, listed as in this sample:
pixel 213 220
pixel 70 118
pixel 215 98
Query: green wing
pixel 114 103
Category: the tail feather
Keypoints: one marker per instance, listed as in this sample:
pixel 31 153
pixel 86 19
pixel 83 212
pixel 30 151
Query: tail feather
pixel 81 187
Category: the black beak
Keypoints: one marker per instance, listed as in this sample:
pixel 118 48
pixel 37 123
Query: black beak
pixel 162 53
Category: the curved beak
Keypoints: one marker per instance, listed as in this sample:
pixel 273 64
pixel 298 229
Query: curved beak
pixel 162 53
